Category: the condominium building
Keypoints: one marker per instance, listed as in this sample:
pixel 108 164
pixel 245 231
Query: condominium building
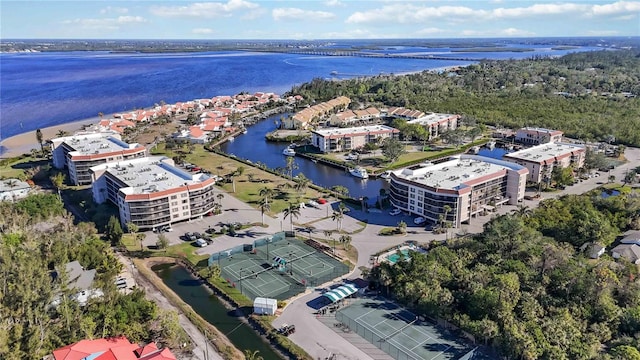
pixel 457 189
pixel 535 136
pixel 437 123
pixel 345 139
pixel 540 160
pixel 151 191
pixel 78 153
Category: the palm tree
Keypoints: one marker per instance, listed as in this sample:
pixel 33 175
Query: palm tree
pixel 291 165
pixel 212 272
pixel 402 226
pixel 346 241
pixel 40 139
pixel 62 133
pixel 265 206
pixel 301 183
pixel 291 211
pixel 266 193
pixel 327 234
pixel 523 211
pixel 252 355
pixel 220 196
pixel 338 216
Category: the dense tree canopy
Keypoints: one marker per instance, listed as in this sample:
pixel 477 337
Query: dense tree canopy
pixel 33 252
pixel 582 94
pixel 525 287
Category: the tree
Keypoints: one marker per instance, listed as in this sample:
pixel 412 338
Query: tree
pixel 291 211
pixel 291 166
pixel 625 352
pixel 57 181
pixel 265 206
pixel 220 196
pixel 113 231
pixel 252 355
pixel 346 241
pixel 40 140
pixel 133 230
pixel 338 216
pixel 212 273
pixel 340 190
pixel 62 133
pixel 163 242
pixel 402 227
pixel 392 149
pixel 240 170
pixel 301 183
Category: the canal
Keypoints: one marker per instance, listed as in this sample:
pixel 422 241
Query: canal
pixel 192 291
pixel 253 146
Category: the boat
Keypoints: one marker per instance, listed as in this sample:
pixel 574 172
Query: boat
pixel 359 172
pixel 491 145
pixel 289 151
pixel 334 72
pixel 231 138
pixel 386 175
pixel 245 131
pixel 475 149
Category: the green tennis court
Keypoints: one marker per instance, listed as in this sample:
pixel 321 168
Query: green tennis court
pixel 398 332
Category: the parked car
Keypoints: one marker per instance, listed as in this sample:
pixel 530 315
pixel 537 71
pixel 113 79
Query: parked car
pixel 395 212
pixel 313 203
pixel 419 220
pixel 201 243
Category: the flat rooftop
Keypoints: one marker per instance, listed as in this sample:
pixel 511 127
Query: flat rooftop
pixel 431 119
pixel 96 144
pixel 151 174
pixel 544 152
pixel 360 130
pixel 454 173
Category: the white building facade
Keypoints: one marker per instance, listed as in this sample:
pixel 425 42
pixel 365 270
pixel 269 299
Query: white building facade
pixel 457 189
pixel 437 123
pixel 152 192
pixel 540 160
pixel 536 136
pixel 78 153
pixel 346 139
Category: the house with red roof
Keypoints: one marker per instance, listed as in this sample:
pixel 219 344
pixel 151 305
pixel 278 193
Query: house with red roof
pixel 111 349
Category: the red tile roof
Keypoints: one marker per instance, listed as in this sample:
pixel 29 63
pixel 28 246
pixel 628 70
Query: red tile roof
pixel 112 349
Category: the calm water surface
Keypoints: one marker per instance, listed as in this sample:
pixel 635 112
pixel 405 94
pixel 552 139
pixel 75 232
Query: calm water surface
pixel 207 305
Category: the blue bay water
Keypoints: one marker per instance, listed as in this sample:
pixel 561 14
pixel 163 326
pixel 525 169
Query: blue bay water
pixel 45 89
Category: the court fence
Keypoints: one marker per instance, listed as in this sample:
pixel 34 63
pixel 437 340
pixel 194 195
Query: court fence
pixel 377 339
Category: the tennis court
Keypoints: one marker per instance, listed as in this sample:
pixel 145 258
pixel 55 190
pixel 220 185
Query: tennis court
pixel 398 332
pixel 276 267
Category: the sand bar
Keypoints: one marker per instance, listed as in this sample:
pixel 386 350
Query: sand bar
pixel 23 143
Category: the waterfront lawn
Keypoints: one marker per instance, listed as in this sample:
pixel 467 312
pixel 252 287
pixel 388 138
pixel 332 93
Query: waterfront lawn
pixel 249 183
pixel 185 250
pixel 14 168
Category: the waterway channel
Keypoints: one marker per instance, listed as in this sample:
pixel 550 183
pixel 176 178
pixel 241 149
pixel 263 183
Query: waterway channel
pixel 206 304
pixel 253 146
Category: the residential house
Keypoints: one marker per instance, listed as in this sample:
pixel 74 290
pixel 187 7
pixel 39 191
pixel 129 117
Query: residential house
pixel 404 113
pixel 13 189
pixel 630 252
pixel 304 118
pixel 632 237
pixel 111 349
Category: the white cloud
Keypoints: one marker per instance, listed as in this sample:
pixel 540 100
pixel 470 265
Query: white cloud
pixel 112 9
pixel 414 13
pixel 334 3
pixel 204 10
pixel 106 23
pixel 295 14
pixel 202 31
pixel 509 32
pixel 430 31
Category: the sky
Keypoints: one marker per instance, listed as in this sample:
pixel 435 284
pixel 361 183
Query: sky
pixel 315 19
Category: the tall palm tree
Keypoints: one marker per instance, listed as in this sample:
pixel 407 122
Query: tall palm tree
pixel 338 216
pixel 40 139
pixel 522 211
pixel 267 193
pixel 220 196
pixel 291 165
pixel 291 211
pixel 301 183
pixel 265 206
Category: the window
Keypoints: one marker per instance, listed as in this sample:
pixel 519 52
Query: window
pixel 173 197
pixel 412 202
pixel 184 195
pixel 185 207
pixel 412 190
pixel 174 203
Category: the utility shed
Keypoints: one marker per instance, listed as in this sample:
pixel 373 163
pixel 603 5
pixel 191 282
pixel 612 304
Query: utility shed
pixel 265 306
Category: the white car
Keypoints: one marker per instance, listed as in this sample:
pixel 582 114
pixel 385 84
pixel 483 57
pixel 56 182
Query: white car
pixel 201 243
pixel 313 203
pixel 395 212
pixel 419 220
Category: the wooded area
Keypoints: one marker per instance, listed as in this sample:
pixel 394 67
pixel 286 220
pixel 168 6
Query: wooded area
pixel 524 287
pixel 588 95
pixel 38 313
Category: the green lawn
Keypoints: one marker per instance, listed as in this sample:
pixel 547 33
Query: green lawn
pixel 15 167
pixel 184 250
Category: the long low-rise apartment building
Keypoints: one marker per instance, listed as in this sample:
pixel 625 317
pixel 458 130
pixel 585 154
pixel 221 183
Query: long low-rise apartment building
pixel 437 123
pixel 540 160
pixel 457 189
pixel 152 192
pixel 345 139
pixel 78 153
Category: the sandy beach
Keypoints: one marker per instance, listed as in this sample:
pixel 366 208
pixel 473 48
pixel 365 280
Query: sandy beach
pixel 23 143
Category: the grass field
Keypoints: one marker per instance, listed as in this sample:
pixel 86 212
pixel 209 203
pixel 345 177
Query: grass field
pixel 247 185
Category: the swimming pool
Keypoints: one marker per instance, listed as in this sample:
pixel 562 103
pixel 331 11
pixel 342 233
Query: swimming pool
pixel 394 258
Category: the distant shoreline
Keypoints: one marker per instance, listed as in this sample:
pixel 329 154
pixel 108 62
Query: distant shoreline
pixel 23 143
